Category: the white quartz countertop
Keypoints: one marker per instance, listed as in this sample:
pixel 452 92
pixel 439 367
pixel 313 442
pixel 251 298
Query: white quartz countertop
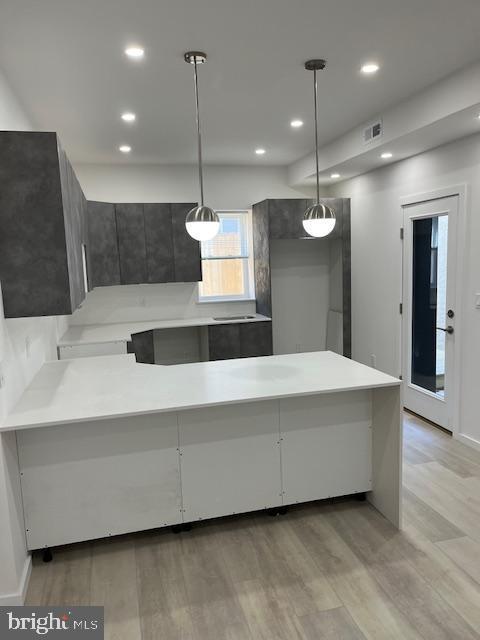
pixel 122 331
pixel 88 389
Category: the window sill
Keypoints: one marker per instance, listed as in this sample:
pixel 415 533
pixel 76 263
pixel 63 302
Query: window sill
pixel 224 299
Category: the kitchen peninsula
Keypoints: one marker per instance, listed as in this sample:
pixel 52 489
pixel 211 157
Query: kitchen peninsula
pixel 124 447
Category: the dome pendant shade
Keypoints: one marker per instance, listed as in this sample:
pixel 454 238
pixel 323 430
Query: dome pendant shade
pixel 319 220
pixel 202 223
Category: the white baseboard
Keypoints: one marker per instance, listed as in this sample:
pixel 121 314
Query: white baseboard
pixel 468 440
pixel 18 598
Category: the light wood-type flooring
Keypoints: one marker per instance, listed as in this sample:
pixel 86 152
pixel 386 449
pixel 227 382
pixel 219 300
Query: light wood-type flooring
pixel 323 571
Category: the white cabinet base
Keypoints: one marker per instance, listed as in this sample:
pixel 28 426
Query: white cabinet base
pixel 98 479
pixel 89 480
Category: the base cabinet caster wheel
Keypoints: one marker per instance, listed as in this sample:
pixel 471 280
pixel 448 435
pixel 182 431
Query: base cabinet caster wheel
pixel 47 555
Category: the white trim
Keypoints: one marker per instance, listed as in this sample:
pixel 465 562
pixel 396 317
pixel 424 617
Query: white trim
pixel 18 598
pixel 462 192
pixel 467 440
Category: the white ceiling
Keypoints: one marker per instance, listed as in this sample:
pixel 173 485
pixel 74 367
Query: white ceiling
pixel 64 59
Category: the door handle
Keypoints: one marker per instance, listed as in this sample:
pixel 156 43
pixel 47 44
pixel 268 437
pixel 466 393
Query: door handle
pixel 449 329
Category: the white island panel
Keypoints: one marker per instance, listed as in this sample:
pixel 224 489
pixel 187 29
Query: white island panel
pixel 326 445
pixel 104 478
pixel 230 459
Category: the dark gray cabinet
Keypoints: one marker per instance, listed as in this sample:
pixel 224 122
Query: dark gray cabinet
pixel 285 218
pixel 42 227
pixel 240 340
pixel 103 260
pixel 144 243
pixel 159 243
pixel 132 251
pixel 188 265
pixel 142 346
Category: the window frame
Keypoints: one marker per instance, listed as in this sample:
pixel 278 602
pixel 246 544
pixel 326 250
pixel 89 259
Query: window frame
pixel 248 270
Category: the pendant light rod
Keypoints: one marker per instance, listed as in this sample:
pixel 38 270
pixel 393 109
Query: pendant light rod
pixel 315 102
pixel 196 58
pixel 316 65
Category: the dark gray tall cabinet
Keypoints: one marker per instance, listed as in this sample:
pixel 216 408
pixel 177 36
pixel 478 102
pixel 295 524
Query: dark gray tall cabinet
pixel 42 227
pixel 281 219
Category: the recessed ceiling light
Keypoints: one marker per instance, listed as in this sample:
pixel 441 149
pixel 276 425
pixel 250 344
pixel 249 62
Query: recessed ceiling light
pixel 370 67
pixel 386 155
pixel 260 151
pixel 129 117
pixel 125 148
pixel 135 52
pixel 335 175
pixel 296 123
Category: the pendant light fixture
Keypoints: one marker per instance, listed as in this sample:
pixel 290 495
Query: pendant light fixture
pixel 202 223
pixel 318 220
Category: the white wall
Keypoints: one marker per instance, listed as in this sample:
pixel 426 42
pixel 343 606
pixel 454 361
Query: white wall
pixel 300 295
pixel 377 259
pixel 24 346
pixel 226 187
pixel 139 302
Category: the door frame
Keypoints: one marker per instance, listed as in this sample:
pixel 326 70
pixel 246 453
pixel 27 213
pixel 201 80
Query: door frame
pixel 462 192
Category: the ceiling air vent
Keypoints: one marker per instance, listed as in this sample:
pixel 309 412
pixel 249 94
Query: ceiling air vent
pixel 374 131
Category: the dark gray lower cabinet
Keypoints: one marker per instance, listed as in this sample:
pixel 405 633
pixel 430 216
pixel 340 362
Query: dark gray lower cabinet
pixel 142 346
pixel 186 250
pixel 103 261
pixel 241 340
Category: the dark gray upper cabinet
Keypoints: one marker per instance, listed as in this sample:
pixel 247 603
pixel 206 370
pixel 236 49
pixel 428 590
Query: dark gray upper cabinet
pixel 159 242
pixel 103 260
pixel 42 227
pixel 141 243
pixel 188 264
pixel 131 243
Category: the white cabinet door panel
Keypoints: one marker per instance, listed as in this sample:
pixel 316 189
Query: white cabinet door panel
pixel 326 445
pixel 230 458
pixel 92 480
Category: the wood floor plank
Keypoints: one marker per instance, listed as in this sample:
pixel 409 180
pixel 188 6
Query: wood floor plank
pixel 330 625
pixel 433 525
pixel 372 610
pixel 465 552
pixel 430 614
pixel 114 586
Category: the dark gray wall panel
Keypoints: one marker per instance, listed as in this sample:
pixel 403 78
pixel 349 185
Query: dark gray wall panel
pixel 261 255
pixel 188 267
pixel 286 217
pixel 256 339
pixel 131 243
pixel 102 259
pixel 74 213
pixel 33 252
pixel 159 242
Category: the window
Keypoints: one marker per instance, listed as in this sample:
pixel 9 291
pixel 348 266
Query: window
pixel 227 264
